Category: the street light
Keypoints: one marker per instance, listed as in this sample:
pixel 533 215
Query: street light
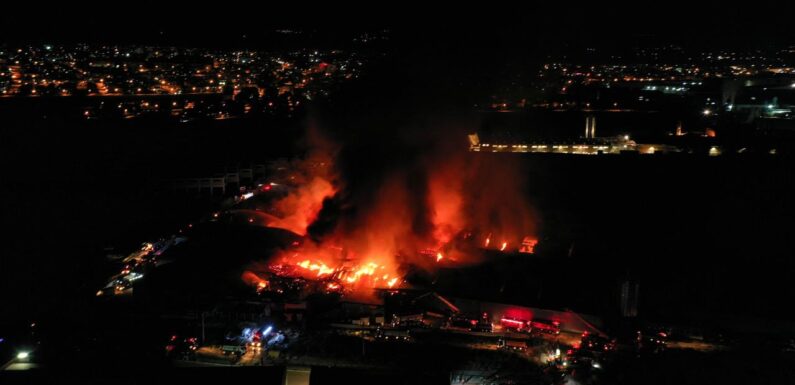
pixel 23 355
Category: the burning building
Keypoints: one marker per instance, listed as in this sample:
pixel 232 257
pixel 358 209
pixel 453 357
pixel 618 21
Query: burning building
pixel 367 222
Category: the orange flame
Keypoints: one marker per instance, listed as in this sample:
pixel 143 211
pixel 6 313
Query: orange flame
pixel 254 280
pixel 366 275
pixel 321 267
pixel 395 217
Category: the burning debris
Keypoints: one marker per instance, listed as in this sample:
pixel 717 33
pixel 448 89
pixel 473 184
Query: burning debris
pixel 327 270
pixel 367 221
pixel 528 245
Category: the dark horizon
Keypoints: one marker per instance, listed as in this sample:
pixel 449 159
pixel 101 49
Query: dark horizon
pixel 701 24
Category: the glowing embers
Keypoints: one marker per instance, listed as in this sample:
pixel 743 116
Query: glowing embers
pixel 344 276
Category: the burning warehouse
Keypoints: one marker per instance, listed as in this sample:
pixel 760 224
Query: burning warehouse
pixel 369 239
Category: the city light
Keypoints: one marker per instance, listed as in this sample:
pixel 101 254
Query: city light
pixel 707 112
pixel 22 355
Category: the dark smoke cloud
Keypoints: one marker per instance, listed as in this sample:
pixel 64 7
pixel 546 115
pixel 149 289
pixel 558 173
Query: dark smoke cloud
pixel 405 177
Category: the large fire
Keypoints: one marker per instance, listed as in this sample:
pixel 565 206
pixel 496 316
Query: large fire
pixel 364 233
pixel 330 269
pixel 374 274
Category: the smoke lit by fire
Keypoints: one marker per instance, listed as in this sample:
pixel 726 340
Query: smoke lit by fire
pixel 375 218
pixel 303 205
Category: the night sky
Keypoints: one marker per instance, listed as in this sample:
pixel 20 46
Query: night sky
pixel 249 24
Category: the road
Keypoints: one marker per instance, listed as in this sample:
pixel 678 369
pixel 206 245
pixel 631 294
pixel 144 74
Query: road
pixel 15 364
